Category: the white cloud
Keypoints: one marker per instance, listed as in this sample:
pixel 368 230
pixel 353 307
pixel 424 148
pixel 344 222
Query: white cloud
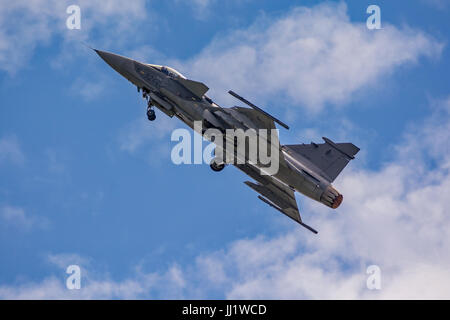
pixel 54 288
pixel 89 90
pixel 201 9
pixel 64 260
pixel 438 4
pixel 141 132
pixel 96 284
pixel 396 217
pixel 10 150
pixel 17 217
pixel 144 53
pixel 24 25
pixel 151 139
pixel 311 56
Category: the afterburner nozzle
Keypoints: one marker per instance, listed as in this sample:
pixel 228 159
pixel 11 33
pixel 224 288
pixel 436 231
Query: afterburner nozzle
pixel 331 198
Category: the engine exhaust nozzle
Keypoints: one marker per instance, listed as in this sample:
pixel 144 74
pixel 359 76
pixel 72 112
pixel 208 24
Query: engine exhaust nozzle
pixel 331 198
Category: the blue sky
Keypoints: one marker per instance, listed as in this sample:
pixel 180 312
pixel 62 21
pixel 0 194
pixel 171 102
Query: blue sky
pixel 86 179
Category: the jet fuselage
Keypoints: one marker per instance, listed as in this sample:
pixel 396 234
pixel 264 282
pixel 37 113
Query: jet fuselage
pixel 175 95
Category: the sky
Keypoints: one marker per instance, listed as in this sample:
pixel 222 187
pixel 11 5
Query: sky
pixel 85 179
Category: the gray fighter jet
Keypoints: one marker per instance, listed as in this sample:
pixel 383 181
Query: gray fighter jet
pixel 306 168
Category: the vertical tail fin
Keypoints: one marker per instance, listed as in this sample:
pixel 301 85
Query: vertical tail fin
pixel 329 157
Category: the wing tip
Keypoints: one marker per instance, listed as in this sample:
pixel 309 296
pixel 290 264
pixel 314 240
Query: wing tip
pixel 281 123
pixel 309 228
pixel 282 211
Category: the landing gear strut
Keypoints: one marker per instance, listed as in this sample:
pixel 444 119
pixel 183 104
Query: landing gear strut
pixel 150 112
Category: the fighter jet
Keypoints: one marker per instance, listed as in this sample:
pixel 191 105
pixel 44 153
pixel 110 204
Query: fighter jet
pixel 308 169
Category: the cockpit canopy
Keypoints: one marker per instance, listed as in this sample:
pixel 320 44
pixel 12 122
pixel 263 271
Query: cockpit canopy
pixel 168 71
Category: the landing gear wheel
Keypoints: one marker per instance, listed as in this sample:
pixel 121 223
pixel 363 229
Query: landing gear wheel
pixel 216 167
pixel 151 114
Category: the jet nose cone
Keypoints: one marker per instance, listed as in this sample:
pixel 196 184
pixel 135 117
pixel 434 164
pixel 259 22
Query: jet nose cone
pixel 114 60
pixel 123 65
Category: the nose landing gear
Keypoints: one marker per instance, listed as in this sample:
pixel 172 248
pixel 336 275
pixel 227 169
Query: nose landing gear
pixel 150 112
